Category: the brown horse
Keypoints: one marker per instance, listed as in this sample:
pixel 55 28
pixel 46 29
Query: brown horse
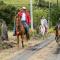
pixel 57 34
pixel 20 31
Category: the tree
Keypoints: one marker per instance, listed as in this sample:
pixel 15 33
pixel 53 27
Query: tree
pixel 7 12
pixel 41 3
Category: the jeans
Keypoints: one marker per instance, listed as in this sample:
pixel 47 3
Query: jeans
pixel 25 25
pixel 14 29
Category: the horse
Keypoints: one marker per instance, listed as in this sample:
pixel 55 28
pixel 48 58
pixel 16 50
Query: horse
pixel 57 34
pixel 43 31
pixel 20 31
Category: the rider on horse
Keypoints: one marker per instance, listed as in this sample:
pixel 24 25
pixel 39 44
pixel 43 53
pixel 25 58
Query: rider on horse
pixel 24 17
pixel 44 23
pixel 57 29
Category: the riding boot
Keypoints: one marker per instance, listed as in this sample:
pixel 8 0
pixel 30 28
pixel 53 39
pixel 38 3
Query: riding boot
pixel 28 36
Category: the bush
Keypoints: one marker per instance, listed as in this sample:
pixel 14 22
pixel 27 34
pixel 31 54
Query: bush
pixel 37 14
pixel 32 32
pixel 7 13
pixel 51 30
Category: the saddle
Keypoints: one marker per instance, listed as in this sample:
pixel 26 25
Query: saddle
pixel 21 29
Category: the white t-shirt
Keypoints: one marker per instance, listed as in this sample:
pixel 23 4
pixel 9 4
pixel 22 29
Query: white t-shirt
pixel 23 17
pixel 44 22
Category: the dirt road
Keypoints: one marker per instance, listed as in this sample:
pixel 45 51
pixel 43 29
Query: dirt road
pixel 30 52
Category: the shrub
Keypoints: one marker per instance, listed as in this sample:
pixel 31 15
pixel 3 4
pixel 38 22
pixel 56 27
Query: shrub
pixel 7 13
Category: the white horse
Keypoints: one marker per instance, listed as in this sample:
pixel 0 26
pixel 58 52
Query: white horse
pixel 43 31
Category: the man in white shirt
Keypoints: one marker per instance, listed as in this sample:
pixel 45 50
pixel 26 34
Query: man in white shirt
pixel 44 23
pixel 23 17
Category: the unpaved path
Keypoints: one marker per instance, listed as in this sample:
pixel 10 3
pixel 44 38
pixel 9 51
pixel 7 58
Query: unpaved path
pixel 32 50
pixel 45 53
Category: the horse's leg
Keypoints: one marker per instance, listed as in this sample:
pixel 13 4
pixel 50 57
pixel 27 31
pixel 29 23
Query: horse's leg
pixel 18 41
pixel 43 35
pixel 22 41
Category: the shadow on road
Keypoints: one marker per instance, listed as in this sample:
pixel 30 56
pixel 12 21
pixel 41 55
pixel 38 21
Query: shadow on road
pixel 57 50
pixel 7 45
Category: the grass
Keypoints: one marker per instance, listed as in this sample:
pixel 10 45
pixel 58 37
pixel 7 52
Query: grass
pixel 51 30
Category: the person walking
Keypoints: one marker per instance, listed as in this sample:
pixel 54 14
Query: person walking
pixel 4 31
